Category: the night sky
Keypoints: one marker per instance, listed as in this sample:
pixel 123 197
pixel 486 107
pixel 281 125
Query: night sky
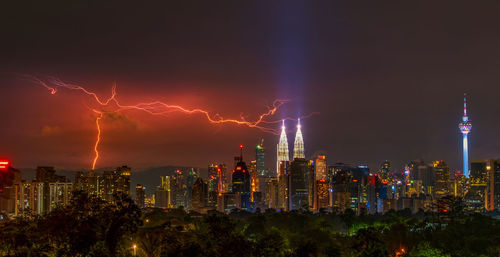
pixel 387 78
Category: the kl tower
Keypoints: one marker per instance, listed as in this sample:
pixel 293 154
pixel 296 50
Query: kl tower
pixel 465 125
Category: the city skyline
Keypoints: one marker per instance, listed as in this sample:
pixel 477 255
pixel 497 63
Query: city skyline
pixel 250 128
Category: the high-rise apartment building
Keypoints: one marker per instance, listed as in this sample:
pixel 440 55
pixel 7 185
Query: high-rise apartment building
pixel 140 195
pixel 116 181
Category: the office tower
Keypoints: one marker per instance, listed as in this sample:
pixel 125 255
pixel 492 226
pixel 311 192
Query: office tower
pixel 419 170
pixel 372 184
pixel 213 192
pixel 228 201
pixel 241 182
pixel 282 149
pixel 493 199
pixel 322 195
pixel 298 145
pixel 260 158
pixel 442 184
pixel 320 180
pixel 283 186
pixel 346 184
pixel 301 181
pixel 320 168
pixel 254 178
pixel 465 127
pixel 140 195
pixel 385 171
pixel 161 197
pixel 340 183
pixel 218 173
pixel 191 177
pixel 475 198
pixel 199 195
pixel 180 189
pixel 272 193
pixel 459 184
pixel 165 193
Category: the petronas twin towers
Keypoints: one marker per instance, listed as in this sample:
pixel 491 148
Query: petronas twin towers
pixel 298 146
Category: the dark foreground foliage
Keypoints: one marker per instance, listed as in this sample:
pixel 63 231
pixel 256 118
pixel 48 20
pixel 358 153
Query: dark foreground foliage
pixel 92 227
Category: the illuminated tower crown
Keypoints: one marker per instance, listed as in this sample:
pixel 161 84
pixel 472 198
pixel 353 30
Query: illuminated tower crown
pixel 465 126
pixel 282 149
pixel 283 154
pixel 298 146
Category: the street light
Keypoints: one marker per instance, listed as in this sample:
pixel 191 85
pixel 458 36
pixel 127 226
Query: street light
pixel 135 249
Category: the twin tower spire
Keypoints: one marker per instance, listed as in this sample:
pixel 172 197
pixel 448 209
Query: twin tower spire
pixel 298 146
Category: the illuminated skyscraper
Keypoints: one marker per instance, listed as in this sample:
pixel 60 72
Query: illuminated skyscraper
pixel 298 146
pixel 260 157
pixel 320 168
pixel 475 197
pixel 140 195
pixel 165 194
pixel 241 182
pixel 442 184
pixel 199 195
pixel 301 184
pixel 283 154
pixel 116 181
pixel 493 188
pixel 465 127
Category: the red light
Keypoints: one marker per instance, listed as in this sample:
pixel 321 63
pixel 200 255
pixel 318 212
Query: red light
pixel 218 169
pixel 322 180
pixel 241 146
pixel 233 171
pixel 445 210
pixel 354 180
pixel 384 182
pixel 4 164
pixel 244 171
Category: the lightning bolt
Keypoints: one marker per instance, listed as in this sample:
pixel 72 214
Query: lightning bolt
pixel 157 108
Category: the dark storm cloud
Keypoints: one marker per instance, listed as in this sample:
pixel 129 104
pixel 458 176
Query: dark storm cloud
pixel 387 77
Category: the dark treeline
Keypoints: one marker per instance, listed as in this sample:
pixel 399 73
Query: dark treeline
pixel 92 227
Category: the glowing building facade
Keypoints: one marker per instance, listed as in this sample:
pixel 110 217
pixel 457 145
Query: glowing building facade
pixel 465 127
pixel 283 154
pixel 260 158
